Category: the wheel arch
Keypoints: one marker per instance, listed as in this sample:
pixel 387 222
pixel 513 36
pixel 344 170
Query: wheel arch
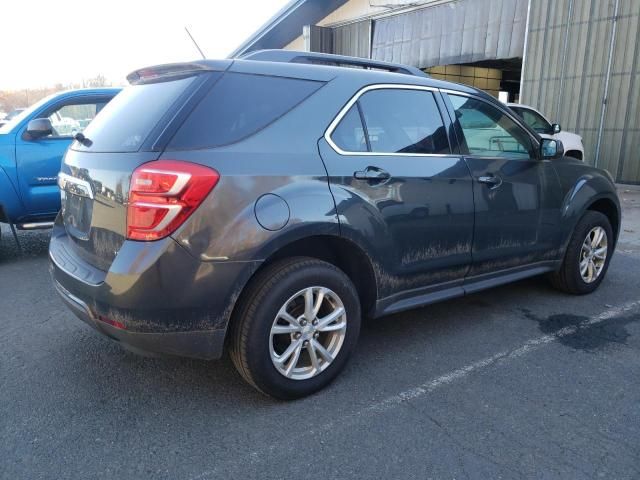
pixel 608 208
pixel 339 251
pixel 574 154
pixel 595 193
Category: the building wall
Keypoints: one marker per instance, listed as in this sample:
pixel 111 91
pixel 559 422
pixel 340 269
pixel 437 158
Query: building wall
pixel 463 31
pixel 296 45
pixel 487 79
pixel 355 10
pixel 575 68
pixel 582 69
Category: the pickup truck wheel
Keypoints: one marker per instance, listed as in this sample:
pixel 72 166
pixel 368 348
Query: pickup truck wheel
pixel 587 257
pixel 296 326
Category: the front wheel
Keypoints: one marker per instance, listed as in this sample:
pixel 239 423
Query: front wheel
pixel 587 257
pixel 296 327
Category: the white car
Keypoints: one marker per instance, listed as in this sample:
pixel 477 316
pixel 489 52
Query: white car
pixel 572 142
pixel 64 126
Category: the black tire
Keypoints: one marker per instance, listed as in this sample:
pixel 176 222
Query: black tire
pixel 568 277
pixel 251 324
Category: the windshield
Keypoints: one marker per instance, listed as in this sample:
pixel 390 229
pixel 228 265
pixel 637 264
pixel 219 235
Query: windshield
pixel 534 120
pixel 7 127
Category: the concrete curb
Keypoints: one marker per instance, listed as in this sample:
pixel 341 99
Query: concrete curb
pixel 623 186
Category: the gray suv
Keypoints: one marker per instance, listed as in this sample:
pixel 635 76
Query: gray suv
pixel 265 205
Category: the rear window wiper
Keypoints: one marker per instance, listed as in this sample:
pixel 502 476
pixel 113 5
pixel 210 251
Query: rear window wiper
pixel 79 137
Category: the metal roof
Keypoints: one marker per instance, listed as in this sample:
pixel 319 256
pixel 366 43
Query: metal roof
pixel 286 25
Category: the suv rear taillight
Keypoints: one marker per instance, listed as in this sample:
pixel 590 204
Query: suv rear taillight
pixel 163 194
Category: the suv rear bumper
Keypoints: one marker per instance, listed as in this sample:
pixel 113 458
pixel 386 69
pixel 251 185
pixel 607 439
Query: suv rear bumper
pixel 206 344
pixel 155 298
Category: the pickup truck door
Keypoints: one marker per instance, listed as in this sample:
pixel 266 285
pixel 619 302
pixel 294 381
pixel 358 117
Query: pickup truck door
pixel 516 194
pixel 38 160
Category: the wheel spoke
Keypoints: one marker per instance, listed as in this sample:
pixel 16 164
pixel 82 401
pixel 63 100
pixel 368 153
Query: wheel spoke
pixel 308 304
pixel 597 237
pixel 333 327
pixel 332 317
pixel 318 304
pixel 583 267
pixel 284 315
pixel 284 329
pixel 294 359
pixel 591 270
pixel 281 359
pixel 312 355
pixel 600 253
pixel 322 351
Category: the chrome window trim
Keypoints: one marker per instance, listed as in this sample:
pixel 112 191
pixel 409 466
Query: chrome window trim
pixel 379 86
pixel 518 122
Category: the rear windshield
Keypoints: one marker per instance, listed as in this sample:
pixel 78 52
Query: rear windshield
pixel 237 106
pixel 126 122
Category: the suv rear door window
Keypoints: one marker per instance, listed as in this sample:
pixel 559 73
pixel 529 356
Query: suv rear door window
pixel 238 106
pixel 403 121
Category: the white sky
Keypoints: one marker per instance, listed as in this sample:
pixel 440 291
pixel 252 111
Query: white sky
pixel 44 42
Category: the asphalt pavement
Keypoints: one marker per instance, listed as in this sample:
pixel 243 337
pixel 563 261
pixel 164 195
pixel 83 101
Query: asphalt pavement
pixel 515 382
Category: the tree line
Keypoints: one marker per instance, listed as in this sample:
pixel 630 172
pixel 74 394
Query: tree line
pixel 12 99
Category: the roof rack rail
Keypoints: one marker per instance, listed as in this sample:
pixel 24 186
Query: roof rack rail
pixel 290 56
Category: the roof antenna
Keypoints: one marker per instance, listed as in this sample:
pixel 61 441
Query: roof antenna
pixel 194 42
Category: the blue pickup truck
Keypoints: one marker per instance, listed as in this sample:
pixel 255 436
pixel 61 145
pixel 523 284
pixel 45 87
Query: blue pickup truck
pixel 32 145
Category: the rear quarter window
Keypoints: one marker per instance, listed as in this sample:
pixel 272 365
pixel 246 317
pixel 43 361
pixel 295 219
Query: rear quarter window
pixel 237 106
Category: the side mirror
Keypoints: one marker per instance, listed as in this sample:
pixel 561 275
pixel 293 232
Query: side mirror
pixel 551 148
pixel 38 128
pixel 556 128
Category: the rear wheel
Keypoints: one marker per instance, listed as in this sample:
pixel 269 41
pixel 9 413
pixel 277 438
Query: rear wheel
pixel 295 328
pixel 587 257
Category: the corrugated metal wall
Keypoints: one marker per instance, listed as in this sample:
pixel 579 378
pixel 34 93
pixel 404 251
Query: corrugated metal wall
pixel 460 31
pixel 573 47
pixel 352 39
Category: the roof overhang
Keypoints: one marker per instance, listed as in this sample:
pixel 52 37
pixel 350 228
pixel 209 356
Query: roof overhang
pixel 286 25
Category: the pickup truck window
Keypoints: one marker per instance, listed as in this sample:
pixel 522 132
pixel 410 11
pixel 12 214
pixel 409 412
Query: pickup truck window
pixel 71 119
pixel 534 120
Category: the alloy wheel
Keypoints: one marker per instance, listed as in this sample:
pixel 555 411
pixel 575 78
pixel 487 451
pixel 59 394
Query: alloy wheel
pixel 307 333
pixel 593 254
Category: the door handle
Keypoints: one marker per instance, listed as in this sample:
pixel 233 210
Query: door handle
pixel 372 173
pixel 492 180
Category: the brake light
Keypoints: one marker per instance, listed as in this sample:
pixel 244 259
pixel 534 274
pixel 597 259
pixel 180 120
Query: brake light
pixel 163 194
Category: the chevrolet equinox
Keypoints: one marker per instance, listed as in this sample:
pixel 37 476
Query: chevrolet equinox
pixel 265 205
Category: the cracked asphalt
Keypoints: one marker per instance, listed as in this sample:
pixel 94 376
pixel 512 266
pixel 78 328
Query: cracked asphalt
pixel 516 382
